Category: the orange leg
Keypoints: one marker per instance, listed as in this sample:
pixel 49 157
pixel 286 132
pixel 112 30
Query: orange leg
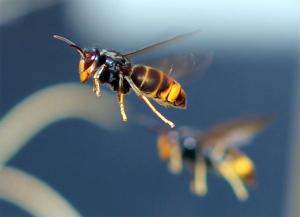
pixel 96 81
pixel 163 118
pixel 234 180
pixel 199 186
pixel 175 162
pixel 122 107
pixel 149 104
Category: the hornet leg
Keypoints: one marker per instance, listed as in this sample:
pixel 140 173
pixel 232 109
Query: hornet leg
pixel 233 179
pixel 145 99
pixel 163 118
pixel 122 107
pixel 96 81
pixel 120 95
pixel 198 185
pixel 175 163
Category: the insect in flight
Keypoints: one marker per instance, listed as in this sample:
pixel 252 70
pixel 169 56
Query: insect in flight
pixel 148 82
pixel 215 149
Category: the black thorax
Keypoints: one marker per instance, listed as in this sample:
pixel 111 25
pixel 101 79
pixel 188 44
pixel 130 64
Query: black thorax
pixel 117 66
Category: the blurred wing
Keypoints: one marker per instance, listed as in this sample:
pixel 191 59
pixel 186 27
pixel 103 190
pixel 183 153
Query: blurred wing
pixel 183 66
pixel 159 44
pixel 150 124
pixel 235 132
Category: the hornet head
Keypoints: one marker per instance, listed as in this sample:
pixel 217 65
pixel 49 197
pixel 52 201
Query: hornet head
pixel 89 59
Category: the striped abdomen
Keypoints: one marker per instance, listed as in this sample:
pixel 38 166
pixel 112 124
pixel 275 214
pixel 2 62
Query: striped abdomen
pixel 158 85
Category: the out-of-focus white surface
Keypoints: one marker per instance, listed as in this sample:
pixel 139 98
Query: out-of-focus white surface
pixel 49 105
pixel 13 9
pixel 33 195
pixel 230 22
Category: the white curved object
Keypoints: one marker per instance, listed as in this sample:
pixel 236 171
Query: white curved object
pixel 33 195
pixel 52 104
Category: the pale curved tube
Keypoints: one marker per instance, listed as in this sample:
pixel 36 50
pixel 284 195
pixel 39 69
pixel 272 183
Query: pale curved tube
pixel 49 105
pixel 33 195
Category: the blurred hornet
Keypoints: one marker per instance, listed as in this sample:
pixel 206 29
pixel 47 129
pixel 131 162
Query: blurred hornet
pixel 148 82
pixel 215 149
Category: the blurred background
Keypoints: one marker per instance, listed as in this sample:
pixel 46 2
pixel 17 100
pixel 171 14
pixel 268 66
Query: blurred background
pixel 114 169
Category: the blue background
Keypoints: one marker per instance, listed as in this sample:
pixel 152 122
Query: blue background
pixel 129 179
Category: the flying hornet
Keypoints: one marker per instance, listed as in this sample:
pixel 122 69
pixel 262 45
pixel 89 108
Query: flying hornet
pixel 216 150
pixel 148 82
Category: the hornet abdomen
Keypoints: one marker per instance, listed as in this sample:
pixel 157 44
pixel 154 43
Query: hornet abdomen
pixel 156 84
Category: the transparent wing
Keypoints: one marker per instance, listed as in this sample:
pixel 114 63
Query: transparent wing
pixel 235 132
pixel 183 66
pixel 157 45
pixel 150 124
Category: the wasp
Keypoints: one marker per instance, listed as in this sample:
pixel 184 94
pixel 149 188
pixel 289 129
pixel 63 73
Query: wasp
pixel 148 82
pixel 216 150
